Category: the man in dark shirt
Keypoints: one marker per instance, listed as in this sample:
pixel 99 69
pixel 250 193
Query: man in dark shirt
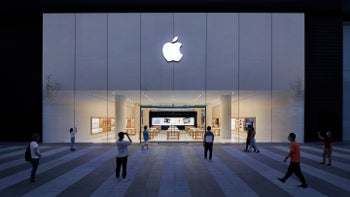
pixel 208 141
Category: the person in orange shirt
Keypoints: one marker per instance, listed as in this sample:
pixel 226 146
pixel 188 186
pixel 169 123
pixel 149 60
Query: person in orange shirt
pixel 294 165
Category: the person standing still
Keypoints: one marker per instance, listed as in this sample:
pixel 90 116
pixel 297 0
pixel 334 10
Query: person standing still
pixel 122 155
pixel 294 165
pixel 145 138
pixel 208 141
pixel 36 155
pixel 328 146
pixel 72 132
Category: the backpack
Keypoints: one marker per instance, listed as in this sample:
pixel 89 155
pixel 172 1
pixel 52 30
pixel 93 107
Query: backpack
pixel 27 154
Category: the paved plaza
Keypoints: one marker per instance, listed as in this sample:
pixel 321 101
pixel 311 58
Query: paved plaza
pixel 173 169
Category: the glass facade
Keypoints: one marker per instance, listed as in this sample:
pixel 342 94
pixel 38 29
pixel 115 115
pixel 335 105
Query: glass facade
pixel 105 73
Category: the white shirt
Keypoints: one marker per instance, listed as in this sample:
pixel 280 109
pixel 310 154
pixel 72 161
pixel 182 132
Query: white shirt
pixel 34 145
pixel 122 148
pixel 72 134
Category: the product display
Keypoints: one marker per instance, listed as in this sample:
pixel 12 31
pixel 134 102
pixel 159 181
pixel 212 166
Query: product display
pixel 102 124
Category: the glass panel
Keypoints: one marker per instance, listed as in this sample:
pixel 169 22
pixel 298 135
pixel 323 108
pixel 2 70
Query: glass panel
pixel 190 72
pixel 255 73
pixel 124 72
pixel 288 76
pixel 58 77
pixel 222 74
pixel 91 77
pixel 157 76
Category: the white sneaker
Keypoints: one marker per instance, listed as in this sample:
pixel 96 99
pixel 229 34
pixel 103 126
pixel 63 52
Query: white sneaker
pixel 125 180
pixel 117 180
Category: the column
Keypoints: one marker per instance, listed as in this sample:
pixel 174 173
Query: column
pixel 199 117
pixel 137 117
pixel 145 117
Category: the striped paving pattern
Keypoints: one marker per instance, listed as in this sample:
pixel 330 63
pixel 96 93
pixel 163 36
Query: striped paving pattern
pixel 173 169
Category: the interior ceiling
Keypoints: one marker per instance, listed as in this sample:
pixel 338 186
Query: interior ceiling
pixel 177 97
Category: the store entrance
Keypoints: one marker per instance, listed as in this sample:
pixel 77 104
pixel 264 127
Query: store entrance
pixel 173 123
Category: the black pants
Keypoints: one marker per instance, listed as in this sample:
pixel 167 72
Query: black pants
pixel 121 162
pixel 247 143
pixel 208 147
pixel 294 167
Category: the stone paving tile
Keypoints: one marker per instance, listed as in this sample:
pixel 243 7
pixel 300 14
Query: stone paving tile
pixel 173 169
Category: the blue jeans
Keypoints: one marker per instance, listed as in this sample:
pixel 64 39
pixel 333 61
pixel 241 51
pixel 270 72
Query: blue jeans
pixel 72 141
pixel 253 145
pixel 35 164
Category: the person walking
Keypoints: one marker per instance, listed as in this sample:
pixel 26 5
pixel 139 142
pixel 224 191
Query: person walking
pixel 328 146
pixel 252 140
pixel 294 165
pixel 145 138
pixel 249 137
pixel 72 132
pixel 208 141
pixel 36 155
pixel 122 155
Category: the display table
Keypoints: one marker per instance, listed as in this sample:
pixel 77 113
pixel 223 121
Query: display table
pixel 198 134
pixel 131 131
pixel 173 132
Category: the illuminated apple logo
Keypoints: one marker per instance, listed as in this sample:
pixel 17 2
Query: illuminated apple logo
pixel 171 50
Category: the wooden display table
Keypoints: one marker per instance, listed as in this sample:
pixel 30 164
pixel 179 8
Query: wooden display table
pixel 131 131
pixel 173 134
pixel 198 134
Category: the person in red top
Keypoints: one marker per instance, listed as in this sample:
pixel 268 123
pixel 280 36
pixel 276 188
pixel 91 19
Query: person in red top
pixel 327 151
pixel 294 165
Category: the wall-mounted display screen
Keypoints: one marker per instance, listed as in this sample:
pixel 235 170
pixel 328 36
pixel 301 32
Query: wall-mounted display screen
pixel 177 118
pixel 187 121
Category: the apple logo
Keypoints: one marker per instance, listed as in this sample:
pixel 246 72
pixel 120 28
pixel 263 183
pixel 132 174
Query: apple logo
pixel 171 50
